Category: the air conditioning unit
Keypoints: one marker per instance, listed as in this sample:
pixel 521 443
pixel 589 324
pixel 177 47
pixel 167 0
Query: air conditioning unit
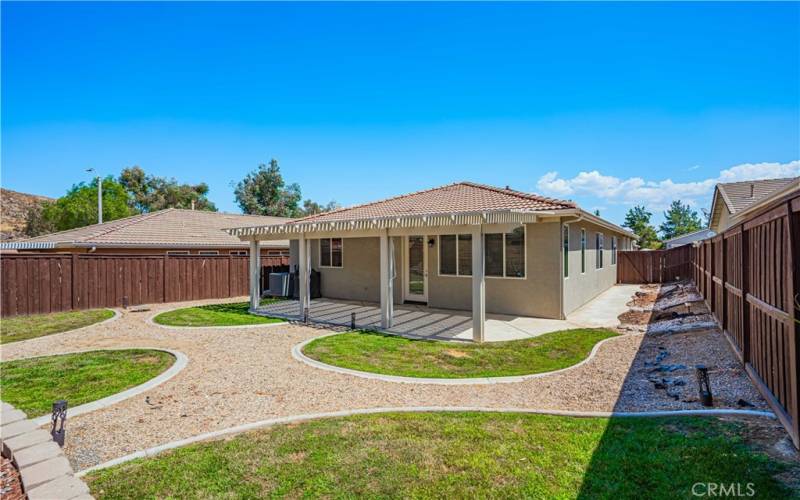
pixel 279 284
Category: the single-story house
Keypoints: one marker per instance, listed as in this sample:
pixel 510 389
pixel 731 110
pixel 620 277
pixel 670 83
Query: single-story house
pixel 172 231
pixel 732 201
pixel 461 246
pixel 689 238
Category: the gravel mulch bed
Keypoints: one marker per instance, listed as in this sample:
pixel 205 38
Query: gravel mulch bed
pixel 237 376
pixel 10 484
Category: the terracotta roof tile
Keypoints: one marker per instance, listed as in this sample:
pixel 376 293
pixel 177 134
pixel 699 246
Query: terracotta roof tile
pixel 170 227
pixel 740 195
pixel 452 198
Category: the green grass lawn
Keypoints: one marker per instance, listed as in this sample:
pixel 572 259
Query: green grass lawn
pixel 33 384
pixel 233 314
pixel 455 455
pixel 392 355
pixel 18 328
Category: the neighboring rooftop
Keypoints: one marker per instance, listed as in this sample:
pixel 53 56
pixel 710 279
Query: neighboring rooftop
pixel 162 229
pixel 461 197
pixel 738 196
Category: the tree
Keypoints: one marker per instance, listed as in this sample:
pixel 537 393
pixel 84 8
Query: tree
pixel 638 220
pixel 149 193
pixel 312 207
pixel 264 192
pixel 679 219
pixel 78 208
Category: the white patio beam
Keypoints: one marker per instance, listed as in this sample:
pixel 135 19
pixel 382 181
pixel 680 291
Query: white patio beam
pixel 255 274
pixel 478 286
pixel 303 277
pixel 387 300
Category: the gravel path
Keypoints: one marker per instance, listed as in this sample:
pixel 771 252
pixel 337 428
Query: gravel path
pixel 237 376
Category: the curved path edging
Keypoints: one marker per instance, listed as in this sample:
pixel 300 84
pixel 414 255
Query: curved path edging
pixel 181 360
pixel 297 353
pixel 156 450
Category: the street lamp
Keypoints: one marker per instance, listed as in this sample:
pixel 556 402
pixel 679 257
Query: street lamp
pixel 99 197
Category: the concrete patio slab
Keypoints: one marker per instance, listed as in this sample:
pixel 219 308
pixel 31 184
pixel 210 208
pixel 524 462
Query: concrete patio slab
pixel 417 321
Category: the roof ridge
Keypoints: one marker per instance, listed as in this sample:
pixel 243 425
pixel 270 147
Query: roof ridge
pixel 758 180
pixel 521 194
pixel 226 213
pixel 138 218
pixel 362 205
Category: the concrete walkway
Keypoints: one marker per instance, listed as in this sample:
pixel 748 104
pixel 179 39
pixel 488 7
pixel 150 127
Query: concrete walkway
pixel 443 324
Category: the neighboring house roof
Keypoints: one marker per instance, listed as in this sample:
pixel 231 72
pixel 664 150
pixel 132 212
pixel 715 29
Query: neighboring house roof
pixel 738 197
pixel 453 204
pixel 168 228
pixel 698 235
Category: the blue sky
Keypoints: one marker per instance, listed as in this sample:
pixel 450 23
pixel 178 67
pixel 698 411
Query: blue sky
pixel 606 104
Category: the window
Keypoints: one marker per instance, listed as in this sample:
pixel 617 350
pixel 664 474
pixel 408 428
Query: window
pixel 208 252
pixel 178 252
pixel 613 250
pixel 565 245
pixel 583 251
pixel 455 255
pixel 239 252
pixel 598 244
pixel 330 252
pixel 505 254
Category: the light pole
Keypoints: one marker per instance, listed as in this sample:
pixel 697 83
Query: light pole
pixel 99 197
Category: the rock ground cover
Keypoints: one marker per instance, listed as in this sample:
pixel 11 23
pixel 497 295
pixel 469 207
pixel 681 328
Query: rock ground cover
pixel 240 376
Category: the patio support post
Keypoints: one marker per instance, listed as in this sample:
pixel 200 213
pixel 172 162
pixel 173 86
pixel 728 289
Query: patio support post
pixel 255 274
pixel 386 280
pixel 305 258
pixel 478 286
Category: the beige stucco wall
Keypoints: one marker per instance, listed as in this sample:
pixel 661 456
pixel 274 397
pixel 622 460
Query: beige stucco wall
pixel 536 295
pixel 580 288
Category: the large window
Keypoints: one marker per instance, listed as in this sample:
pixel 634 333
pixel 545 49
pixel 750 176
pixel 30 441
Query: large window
pixel 455 255
pixel 330 252
pixel 583 251
pixel 505 254
pixel 565 245
pixel 598 245
pixel 613 250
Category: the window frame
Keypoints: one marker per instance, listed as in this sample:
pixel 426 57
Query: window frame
pixel 599 243
pixel 565 250
pixel 319 253
pixel 583 250
pixel 524 254
pixel 614 250
pixel 178 252
pixel 239 253
pixel 208 252
pixel 439 255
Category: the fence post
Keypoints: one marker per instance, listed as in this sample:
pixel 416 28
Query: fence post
pixel 793 242
pixel 230 273
pixel 164 274
pixel 75 299
pixel 745 253
pixel 724 278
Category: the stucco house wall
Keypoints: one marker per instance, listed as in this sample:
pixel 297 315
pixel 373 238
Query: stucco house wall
pixel 580 288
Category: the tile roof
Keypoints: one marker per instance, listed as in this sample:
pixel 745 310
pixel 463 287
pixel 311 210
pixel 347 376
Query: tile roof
pixel 170 227
pixel 455 198
pixel 740 195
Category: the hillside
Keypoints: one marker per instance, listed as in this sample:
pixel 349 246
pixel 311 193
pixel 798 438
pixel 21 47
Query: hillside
pixel 14 208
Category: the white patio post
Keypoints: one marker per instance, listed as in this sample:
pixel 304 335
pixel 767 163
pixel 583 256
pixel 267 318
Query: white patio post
pixel 478 286
pixel 255 274
pixel 305 258
pixel 387 299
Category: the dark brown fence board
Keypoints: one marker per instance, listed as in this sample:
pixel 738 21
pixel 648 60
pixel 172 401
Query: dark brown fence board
pixel 33 284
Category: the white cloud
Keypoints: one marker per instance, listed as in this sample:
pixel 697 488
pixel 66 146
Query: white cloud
pixel 657 194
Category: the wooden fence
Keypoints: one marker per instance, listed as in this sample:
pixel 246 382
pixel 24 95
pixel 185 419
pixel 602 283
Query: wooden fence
pixel 749 279
pixel 33 284
pixel 654 266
